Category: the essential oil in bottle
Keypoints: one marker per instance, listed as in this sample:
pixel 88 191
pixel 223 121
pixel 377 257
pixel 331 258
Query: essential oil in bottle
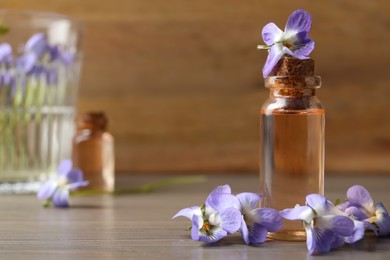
pixel 93 151
pixel 292 141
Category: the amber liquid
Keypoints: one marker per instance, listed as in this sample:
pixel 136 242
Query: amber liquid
pixel 292 162
pixel 94 155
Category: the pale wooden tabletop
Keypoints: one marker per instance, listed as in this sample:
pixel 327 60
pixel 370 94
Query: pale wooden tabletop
pixel 140 226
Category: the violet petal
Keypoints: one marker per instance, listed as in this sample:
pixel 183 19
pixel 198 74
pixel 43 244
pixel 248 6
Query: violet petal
pixel 220 201
pixel 318 203
pixel 38 70
pixel 257 234
pixel 310 240
pixel 55 52
pixel 382 220
pixel 214 237
pixel 274 55
pixel 64 167
pixel 222 189
pixel 319 240
pixel 358 195
pixel 340 225
pixel 299 21
pixel 383 223
pixel 5 53
pixel 356 212
pixel 37 44
pixel 197 222
pixel 47 190
pixel 67 58
pixel 26 62
pixel 231 220
pixel 76 185
pixel 74 175
pixel 244 231
pixel 248 200
pixel 6 79
pixel 300 212
pixel 269 218
pixel 271 33
pixel 338 242
pixel 358 232
pixel 303 45
pixel 295 55
pixel 188 212
pixel 60 198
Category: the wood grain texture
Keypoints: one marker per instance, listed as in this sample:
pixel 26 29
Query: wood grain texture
pixel 140 226
pixel 181 80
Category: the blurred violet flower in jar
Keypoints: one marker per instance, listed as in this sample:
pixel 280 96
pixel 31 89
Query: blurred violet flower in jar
pixel 40 62
pixel 5 53
pixel 36 58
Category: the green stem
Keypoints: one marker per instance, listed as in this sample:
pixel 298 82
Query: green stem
pixel 263 47
pixel 3 28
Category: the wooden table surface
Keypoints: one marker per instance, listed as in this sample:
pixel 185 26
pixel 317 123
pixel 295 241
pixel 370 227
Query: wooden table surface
pixel 139 226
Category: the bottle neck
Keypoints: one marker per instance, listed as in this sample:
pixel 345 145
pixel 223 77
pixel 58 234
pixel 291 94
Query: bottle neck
pixel 94 122
pixel 293 86
pixel 287 92
pixel 90 131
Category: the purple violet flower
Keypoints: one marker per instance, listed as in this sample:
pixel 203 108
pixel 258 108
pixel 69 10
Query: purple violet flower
pixel 6 79
pixel 326 226
pixel 215 219
pixel 257 222
pixel 37 44
pixel 57 189
pixel 38 52
pixel 5 53
pixel 361 206
pixel 58 54
pixel 34 49
pixel 293 41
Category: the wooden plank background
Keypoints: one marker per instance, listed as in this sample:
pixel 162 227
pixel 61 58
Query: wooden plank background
pixel 181 80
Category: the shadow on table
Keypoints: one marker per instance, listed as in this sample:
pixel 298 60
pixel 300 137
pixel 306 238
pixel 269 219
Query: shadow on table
pixel 370 243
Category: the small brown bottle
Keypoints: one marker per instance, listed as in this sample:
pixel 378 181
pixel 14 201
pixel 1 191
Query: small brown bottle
pixel 93 151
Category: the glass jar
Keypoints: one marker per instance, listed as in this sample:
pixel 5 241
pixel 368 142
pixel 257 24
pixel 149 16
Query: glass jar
pixel 40 60
pixel 93 151
pixel 292 147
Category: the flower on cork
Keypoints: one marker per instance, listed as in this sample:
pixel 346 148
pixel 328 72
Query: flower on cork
pixel 293 41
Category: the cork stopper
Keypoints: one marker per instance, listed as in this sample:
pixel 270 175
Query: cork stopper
pixel 290 66
pixel 294 77
pixel 95 120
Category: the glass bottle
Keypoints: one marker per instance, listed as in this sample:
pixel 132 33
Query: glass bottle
pixel 93 151
pixel 292 146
